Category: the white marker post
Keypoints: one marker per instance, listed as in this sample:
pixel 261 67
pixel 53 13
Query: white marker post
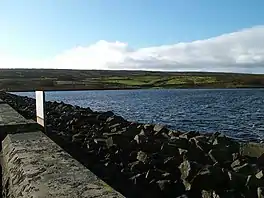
pixel 40 108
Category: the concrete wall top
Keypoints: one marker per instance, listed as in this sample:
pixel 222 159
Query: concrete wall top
pixel 9 116
pixel 35 166
pixel 12 122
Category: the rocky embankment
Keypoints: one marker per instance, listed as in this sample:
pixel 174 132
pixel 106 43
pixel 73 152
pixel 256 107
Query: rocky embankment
pixel 142 160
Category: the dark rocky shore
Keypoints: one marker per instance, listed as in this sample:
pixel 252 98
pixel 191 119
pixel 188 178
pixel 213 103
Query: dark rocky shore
pixel 142 160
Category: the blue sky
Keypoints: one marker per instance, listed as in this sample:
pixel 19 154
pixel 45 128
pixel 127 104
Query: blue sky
pixel 37 30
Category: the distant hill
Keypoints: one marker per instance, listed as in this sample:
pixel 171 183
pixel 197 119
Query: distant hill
pixel 53 79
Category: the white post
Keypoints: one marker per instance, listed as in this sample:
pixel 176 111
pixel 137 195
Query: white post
pixel 40 108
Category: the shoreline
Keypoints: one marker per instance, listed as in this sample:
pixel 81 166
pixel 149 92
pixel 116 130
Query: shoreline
pixel 138 89
pixel 145 160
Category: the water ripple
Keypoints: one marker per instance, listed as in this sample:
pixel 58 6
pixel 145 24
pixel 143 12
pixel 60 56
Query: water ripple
pixel 236 112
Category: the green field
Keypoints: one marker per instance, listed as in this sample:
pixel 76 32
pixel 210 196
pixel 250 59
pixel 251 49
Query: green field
pixel 32 79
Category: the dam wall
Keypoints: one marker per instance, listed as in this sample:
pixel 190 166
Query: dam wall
pixel 33 165
pixel 143 160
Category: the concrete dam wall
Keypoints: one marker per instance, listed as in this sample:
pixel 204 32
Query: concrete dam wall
pixel 35 166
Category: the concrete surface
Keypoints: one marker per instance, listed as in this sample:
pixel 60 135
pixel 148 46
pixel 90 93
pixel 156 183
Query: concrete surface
pixel 12 122
pixel 36 167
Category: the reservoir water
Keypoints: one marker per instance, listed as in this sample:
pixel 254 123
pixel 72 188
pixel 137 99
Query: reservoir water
pixel 238 113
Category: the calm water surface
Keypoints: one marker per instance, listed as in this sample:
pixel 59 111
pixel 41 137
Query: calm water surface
pixel 236 112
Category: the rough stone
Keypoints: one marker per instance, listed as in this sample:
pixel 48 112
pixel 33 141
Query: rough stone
pixel 159 129
pixel 251 149
pixel 260 175
pixel 236 163
pixel 237 181
pixel 179 142
pixel 244 169
pixel 188 171
pixel 260 192
pixel 210 178
pixel 140 139
pixel 220 155
pixel 137 166
pixel 34 157
pixel 143 157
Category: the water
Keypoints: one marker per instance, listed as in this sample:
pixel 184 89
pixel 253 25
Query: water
pixel 236 112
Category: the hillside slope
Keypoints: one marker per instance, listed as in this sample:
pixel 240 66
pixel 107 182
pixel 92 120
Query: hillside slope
pixel 52 79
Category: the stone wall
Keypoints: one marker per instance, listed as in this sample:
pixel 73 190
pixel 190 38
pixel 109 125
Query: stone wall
pixel 34 166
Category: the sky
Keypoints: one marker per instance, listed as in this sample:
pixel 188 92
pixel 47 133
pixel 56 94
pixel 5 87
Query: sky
pixel 164 35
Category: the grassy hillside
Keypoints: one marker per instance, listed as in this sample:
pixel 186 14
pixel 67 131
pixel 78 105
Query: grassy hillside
pixel 31 79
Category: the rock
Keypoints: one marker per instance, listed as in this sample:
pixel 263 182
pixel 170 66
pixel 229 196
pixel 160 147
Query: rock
pixel 251 149
pixel 183 196
pixel 151 146
pixel 235 156
pixel 117 140
pixel 182 152
pixel 236 163
pixel 210 178
pixel 220 155
pixel 260 192
pixel 252 184
pixel 237 181
pixel 159 129
pixel 169 150
pixel 114 127
pixel 244 169
pixel 260 161
pixel 188 171
pixel 173 133
pixel 100 141
pixel 171 162
pixel 153 174
pixel 143 157
pixel 140 139
pixel 260 175
pixel 137 167
pixel 202 142
pixel 131 131
pixel 170 188
pixel 148 127
pixel 138 179
pixel 115 120
pixel 78 138
pixel 207 194
pixel 189 135
pixel 113 134
pixel 147 130
pixel 179 142
pixel 105 115
pixel 196 153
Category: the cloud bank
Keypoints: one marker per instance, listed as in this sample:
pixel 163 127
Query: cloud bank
pixel 241 51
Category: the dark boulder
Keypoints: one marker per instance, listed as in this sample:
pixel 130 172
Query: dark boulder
pixel 105 115
pixel 210 178
pixel 143 157
pixel 246 169
pixel 251 149
pixel 260 192
pixel 138 167
pixel 159 129
pixel 188 170
pixel 179 142
pixel 237 181
pixel 220 155
pixel 170 188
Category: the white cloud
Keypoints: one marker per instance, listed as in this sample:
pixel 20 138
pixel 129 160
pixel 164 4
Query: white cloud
pixel 241 51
